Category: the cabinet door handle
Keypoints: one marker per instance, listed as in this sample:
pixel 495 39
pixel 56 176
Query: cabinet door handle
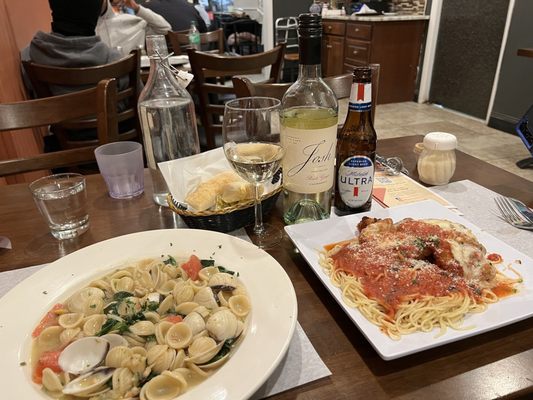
pixel 355 52
pixel 330 27
pixel 357 29
pixel 328 46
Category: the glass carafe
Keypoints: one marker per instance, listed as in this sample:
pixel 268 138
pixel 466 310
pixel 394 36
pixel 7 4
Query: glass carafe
pixel 166 113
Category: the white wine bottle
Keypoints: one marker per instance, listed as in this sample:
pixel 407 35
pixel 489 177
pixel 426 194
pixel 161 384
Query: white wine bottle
pixel 308 132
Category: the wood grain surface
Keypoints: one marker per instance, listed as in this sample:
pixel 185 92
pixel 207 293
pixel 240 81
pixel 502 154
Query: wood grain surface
pixel 491 365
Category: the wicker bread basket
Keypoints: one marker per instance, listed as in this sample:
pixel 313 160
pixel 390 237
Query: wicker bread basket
pixel 226 220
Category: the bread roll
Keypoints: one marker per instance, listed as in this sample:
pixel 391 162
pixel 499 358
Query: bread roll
pixel 205 194
pixel 238 191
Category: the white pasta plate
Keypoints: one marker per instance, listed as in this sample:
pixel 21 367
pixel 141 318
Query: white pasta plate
pixel 311 237
pixel 269 328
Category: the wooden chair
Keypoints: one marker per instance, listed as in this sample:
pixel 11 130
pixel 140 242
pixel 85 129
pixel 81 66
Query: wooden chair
pixel 286 31
pixel 100 101
pixel 127 73
pixel 211 42
pixel 341 86
pixel 208 68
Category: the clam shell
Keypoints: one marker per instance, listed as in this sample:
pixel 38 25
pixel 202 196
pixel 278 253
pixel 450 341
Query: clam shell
pixel 89 383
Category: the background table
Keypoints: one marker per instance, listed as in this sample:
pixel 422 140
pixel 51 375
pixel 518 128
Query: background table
pixel 461 370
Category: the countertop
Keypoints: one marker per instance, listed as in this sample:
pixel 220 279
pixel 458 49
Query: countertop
pixel 380 18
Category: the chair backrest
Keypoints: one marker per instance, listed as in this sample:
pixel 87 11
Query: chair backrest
pixel 126 71
pixel 340 84
pixel 212 42
pixel 100 101
pixel 244 36
pixel 207 68
pixel 286 29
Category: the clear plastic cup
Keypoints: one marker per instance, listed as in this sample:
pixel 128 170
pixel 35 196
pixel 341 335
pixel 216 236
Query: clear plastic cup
pixel 121 165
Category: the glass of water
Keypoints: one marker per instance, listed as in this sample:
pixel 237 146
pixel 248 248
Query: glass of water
pixel 62 200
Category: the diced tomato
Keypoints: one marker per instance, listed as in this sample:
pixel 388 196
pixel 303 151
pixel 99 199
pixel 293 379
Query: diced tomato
pixel 192 267
pixel 50 319
pixel 174 318
pixel 49 359
pixel 495 258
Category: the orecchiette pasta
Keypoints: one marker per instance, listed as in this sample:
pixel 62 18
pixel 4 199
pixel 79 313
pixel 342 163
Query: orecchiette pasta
pixel 145 331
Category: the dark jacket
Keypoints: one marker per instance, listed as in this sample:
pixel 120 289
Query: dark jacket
pixel 179 13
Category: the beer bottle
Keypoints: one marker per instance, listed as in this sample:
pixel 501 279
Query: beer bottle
pixel 356 149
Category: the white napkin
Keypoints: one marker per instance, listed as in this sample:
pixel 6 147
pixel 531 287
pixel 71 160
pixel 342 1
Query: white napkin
pixel 366 10
pixel 184 174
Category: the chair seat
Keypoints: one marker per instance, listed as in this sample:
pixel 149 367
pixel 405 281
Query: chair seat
pixel 291 57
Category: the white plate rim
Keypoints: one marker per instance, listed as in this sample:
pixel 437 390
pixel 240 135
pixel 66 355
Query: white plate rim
pixel 497 315
pixel 270 326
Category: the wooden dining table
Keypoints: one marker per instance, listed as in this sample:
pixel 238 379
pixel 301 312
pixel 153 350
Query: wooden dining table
pixel 495 364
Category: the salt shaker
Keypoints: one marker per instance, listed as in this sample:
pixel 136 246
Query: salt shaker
pixel 436 163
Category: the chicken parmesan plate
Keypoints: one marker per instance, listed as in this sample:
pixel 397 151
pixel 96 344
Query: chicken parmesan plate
pixel 417 276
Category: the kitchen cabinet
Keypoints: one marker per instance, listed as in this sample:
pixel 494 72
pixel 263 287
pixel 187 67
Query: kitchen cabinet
pixel 393 42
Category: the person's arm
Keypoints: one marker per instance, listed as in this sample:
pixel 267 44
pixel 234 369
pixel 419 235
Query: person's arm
pixel 156 23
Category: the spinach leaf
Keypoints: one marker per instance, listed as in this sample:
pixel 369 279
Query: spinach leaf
pixel 207 263
pixel 119 296
pixel 170 260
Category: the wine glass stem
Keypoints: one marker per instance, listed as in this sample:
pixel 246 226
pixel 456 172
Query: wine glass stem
pixel 258 227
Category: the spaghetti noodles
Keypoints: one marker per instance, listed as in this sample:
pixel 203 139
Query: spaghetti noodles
pixel 415 275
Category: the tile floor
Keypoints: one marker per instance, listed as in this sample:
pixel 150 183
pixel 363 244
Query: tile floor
pixel 474 137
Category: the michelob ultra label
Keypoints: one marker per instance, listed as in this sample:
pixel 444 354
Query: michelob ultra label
pixel 355 180
pixel 361 97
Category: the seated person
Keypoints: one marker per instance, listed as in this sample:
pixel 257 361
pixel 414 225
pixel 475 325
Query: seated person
pixel 201 10
pixel 125 31
pixel 179 13
pixel 73 43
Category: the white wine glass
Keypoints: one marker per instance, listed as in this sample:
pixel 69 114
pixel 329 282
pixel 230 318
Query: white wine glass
pixel 251 133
